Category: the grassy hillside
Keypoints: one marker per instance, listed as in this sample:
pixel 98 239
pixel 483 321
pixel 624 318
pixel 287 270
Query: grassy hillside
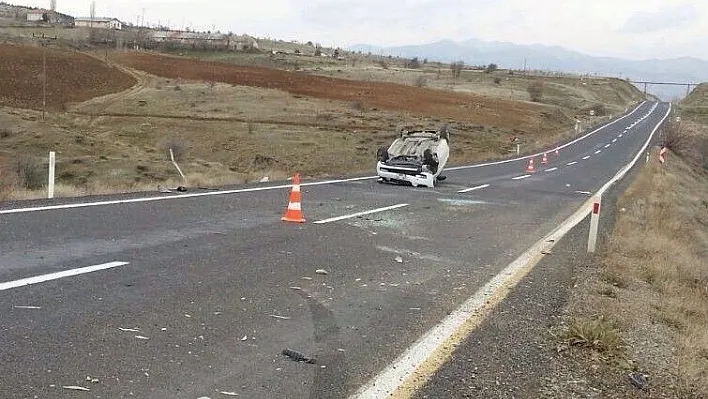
pixel 641 306
pixel 232 120
pixel 695 105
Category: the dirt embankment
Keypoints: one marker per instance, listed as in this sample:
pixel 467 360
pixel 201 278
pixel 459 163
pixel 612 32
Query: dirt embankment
pixel 447 105
pixel 71 77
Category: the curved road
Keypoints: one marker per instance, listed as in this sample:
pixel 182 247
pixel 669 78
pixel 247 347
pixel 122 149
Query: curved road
pixel 197 295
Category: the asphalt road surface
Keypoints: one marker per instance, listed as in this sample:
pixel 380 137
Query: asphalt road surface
pixel 198 295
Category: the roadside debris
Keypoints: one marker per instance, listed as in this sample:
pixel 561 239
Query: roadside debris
pixel 75 388
pixel 92 380
pixel 639 380
pixel 129 329
pixel 166 190
pixel 321 271
pixel 298 357
pixel 399 259
pixel 244 338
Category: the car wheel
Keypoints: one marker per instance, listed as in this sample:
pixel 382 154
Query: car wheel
pixel 445 132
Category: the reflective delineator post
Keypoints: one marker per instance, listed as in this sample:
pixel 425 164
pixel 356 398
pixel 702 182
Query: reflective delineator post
pixel 594 224
pixel 50 185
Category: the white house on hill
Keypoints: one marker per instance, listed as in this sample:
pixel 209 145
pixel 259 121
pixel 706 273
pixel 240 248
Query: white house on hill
pixel 99 23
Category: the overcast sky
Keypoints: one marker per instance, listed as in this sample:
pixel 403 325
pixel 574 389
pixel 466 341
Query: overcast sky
pixel 636 29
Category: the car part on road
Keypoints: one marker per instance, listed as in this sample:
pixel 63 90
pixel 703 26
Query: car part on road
pixel 416 158
pixel 298 357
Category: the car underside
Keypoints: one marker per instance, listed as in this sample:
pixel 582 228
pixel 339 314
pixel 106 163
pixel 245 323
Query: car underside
pixel 416 158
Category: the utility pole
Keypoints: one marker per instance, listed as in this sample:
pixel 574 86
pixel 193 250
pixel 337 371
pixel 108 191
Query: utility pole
pixel 44 40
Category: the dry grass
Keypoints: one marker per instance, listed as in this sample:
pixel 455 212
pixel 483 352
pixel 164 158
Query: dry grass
pixel 597 333
pixel 653 282
pixel 233 134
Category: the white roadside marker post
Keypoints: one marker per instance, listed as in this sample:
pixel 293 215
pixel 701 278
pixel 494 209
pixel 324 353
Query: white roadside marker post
pixel 594 224
pixel 50 185
pixel 172 157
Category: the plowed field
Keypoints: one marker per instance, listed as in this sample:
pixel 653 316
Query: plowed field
pixel 385 96
pixel 71 77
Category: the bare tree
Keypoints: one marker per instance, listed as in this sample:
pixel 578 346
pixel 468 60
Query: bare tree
pixel 456 68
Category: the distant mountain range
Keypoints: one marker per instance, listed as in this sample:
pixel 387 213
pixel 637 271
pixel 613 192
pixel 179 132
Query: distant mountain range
pixel 555 58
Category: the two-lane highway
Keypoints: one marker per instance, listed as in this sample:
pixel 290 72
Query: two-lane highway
pixel 208 289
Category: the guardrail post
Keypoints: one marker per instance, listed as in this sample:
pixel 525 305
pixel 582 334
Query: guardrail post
pixel 594 224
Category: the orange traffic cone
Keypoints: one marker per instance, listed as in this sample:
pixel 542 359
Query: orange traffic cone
pixel 529 167
pixel 544 160
pixel 294 211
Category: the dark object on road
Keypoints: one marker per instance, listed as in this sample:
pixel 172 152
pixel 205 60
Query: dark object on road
pixel 181 189
pixel 298 357
pixel 639 380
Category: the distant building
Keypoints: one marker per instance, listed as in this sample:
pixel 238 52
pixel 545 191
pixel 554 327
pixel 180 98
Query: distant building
pixel 194 39
pixel 49 16
pixel 38 16
pixel 98 23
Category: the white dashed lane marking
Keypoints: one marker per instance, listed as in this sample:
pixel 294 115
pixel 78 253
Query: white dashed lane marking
pixel 58 275
pixel 467 190
pixel 353 215
pixel 521 177
pixel 571 163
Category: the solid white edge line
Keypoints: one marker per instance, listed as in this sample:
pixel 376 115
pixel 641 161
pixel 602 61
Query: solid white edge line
pixel 396 373
pixel 571 163
pixel 551 169
pixel 180 196
pixel 467 190
pixel 283 186
pixel 629 166
pixel 58 275
pixel 353 215
pixel 520 177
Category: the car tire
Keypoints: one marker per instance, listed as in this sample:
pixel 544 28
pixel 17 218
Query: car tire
pixel 444 132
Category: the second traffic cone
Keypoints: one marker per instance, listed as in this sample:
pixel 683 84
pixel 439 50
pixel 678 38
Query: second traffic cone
pixel 544 160
pixel 529 167
pixel 294 211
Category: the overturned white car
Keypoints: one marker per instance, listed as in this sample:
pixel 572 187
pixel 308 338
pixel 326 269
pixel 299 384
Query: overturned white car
pixel 417 157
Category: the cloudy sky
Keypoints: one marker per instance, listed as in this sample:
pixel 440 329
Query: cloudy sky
pixel 636 29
